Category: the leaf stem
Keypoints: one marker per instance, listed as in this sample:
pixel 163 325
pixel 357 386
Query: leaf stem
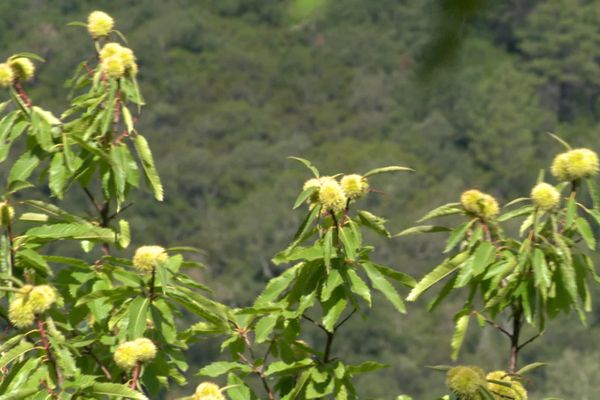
pixel 51 359
pixel 136 376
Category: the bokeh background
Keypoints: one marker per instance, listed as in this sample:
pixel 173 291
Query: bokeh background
pixel 463 91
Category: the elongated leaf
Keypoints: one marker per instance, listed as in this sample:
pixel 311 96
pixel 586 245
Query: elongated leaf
pixel 483 256
pixel 276 286
pixel 585 230
pixel 303 196
pixel 57 175
pixel 19 394
pixel 127 119
pixel 328 248
pixel 438 273
pixel 559 140
pixel 515 213
pixel 367 366
pixel 264 327
pixel 571 212
pixel 115 390
pixel 374 222
pixel 143 150
pixel 124 234
pixel 422 229
pixel 458 337
pixel 222 367
pixel 380 283
pixel 457 235
pixel 446 209
pixel 384 170
pixel 594 193
pixel 281 367
pixel 530 367
pixel 398 276
pixel 540 269
pixel 23 168
pixel 358 286
pixel 333 281
pixel 72 231
pixel 307 164
pixel 138 313
pixel 15 353
pixel 333 309
pixel 237 389
pixel 349 241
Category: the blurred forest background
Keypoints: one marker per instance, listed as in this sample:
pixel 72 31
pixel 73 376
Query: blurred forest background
pixel 463 91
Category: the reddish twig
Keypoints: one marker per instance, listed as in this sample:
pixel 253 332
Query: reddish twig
pixel 136 376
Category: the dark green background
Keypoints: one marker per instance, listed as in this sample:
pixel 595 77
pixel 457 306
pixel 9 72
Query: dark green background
pixel 462 91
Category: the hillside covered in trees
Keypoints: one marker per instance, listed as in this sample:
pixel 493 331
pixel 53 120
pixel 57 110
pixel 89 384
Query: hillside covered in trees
pixel 463 94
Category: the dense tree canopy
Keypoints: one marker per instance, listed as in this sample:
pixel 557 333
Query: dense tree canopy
pixel 234 86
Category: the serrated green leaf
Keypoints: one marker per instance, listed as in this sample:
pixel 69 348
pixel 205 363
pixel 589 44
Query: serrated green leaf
pixel 374 222
pixel 458 337
pixel 571 212
pixel 457 235
pixel 594 192
pixel 540 269
pixel 15 353
pixel 398 276
pixel 358 286
pixel 143 151
pixel 72 231
pixel 115 390
pixel 440 272
pixel 380 283
pixel 443 210
pixel 585 230
pixel 23 167
pixel 349 242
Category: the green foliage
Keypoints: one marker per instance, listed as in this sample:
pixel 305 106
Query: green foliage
pixel 331 277
pixel 339 89
pixel 69 343
pixel 528 277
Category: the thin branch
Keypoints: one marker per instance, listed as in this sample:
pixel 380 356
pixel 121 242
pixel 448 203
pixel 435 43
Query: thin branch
pixel 495 325
pixel 257 370
pixel 136 376
pixel 23 94
pixel 102 367
pixel 528 341
pixel 92 199
pixel 318 324
pixel 125 207
pixel 342 322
